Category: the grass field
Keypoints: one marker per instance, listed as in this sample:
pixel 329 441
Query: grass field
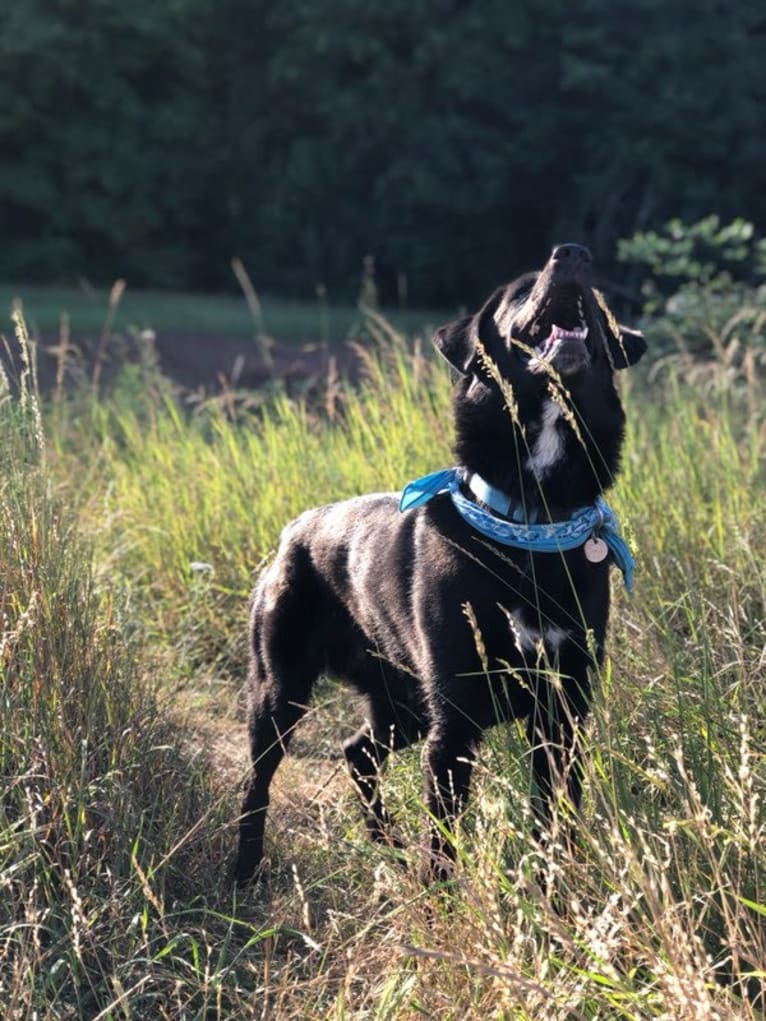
pixel 131 534
pixel 86 308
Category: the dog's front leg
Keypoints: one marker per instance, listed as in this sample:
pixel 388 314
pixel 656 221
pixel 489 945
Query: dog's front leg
pixel 556 770
pixel 448 757
pixel 553 730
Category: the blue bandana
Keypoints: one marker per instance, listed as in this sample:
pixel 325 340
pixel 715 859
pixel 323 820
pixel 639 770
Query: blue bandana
pixel 597 521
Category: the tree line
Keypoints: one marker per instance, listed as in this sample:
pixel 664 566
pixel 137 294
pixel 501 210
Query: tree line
pixel 453 140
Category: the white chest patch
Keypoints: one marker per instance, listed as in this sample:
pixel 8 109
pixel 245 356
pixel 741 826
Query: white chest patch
pixel 549 443
pixel 530 639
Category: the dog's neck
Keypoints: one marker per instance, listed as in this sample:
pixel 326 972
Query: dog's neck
pixel 502 504
pixel 543 465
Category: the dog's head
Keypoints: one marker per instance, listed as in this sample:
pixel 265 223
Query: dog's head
pixel 553 319
pixel 537 413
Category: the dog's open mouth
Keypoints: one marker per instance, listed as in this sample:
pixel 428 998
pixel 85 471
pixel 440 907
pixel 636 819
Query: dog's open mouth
pixel 564 343
pixel 556 331
pixel 549 348
pixel 552 316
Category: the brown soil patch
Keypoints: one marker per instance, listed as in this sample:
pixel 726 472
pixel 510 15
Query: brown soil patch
pixel 195 362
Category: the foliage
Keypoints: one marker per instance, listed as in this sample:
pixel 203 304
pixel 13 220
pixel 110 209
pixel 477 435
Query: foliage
pixel 707 253
pixel 105 119
pixel 454 141
pixel 484 132
pixel 704 289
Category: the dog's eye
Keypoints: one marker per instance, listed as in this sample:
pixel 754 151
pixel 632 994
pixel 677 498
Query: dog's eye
pixel 522 288
pixel 516 300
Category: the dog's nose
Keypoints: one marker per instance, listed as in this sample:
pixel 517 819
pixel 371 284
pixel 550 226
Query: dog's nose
pixel 572 254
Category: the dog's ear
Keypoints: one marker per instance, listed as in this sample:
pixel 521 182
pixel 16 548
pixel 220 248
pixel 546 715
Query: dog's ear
pixel 456 342
pixel 626 349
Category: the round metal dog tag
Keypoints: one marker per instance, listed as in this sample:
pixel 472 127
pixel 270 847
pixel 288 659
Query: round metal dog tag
pixel 596 550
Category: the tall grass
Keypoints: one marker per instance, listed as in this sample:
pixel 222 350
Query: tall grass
pixel 108 822
pixel 190 506
pixel 115 836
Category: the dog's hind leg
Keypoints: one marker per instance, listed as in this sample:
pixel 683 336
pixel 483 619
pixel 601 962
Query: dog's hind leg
pixel 274 714
pixel 281 678
pixel 388 729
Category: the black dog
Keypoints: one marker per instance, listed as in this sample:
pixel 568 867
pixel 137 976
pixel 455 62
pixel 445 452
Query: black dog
pixel 430 613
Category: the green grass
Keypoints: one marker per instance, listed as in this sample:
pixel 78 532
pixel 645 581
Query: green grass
pixel 122 617
pixel 195 505
pixel 225 315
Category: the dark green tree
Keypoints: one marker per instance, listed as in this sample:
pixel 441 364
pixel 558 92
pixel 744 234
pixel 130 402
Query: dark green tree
pixel 454 140
pixel 105 131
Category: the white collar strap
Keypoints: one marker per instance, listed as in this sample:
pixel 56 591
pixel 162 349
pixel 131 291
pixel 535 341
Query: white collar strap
pixel 498 501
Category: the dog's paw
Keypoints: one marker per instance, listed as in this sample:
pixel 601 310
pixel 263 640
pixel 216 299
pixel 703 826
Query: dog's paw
pixel 245 876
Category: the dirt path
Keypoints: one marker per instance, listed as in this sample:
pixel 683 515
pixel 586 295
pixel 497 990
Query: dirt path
pixel 193 361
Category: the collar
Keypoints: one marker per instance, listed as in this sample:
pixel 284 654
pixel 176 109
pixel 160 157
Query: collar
pixel 500 502
pixel 595 521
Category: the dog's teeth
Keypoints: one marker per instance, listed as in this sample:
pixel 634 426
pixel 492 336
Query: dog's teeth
pixel 559 333
pixel 545 350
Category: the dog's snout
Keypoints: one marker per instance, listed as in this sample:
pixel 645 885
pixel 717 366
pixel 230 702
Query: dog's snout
pixel 574 255
pixel 570 263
